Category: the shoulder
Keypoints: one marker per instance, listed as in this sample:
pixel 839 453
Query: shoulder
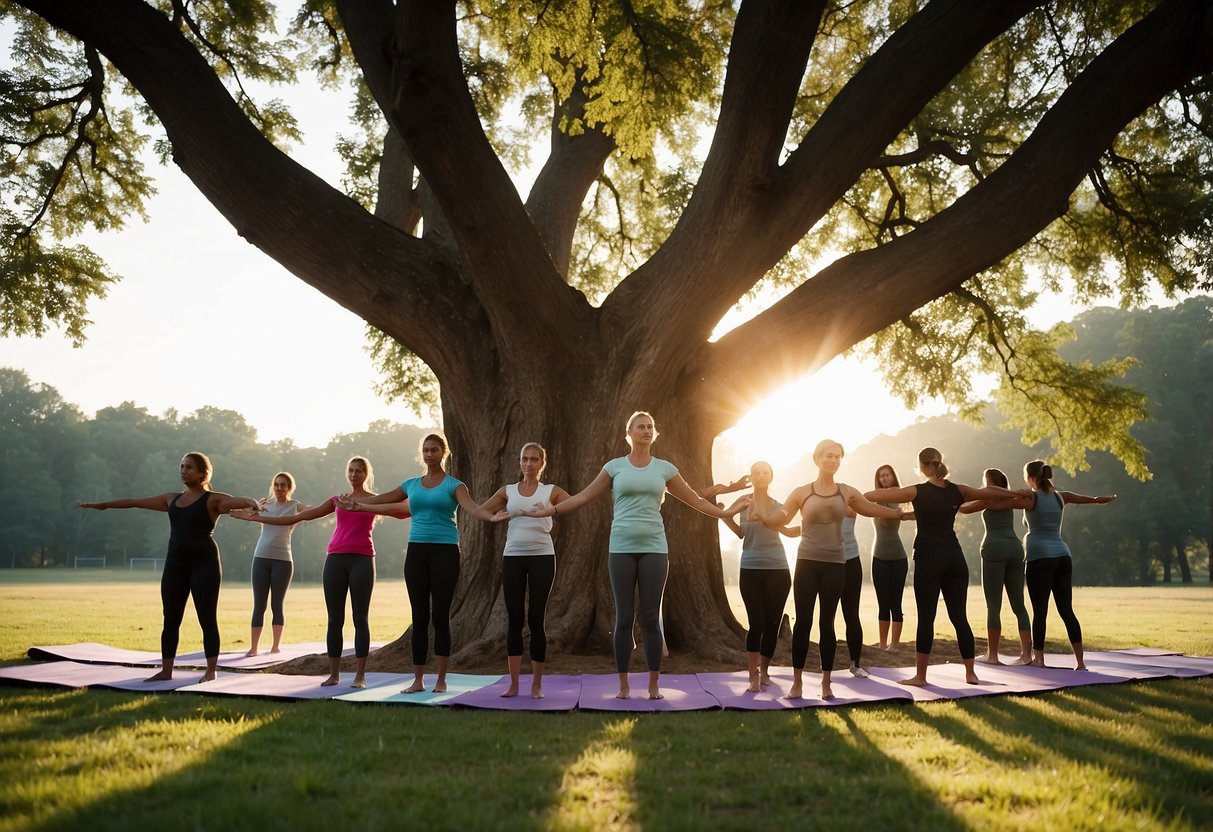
pixel 409 483
pixel 666 468
pixel 451 483
pixel 849 492
pixel 614 466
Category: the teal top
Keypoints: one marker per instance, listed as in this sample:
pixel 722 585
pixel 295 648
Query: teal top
pixel 1000 543
pixel 1043 520
pixel 433 510
pixel 761 546
pixel 638 492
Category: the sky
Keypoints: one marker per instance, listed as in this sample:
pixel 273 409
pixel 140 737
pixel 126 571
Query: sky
pixel 203 318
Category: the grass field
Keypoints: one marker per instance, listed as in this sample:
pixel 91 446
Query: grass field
pixel 1135 756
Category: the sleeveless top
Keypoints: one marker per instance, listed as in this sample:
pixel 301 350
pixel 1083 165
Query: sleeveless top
pixel 1000 542
pixel 850 545
pixel 191 529
pixel 888 545
pixel 275 541
pixel 935 513
pixel 528 535
pixel 821 526
pixel 761 546
pixel 1043 520
pixel 352 535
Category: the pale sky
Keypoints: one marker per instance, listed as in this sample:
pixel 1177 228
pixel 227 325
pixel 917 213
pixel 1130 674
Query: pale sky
pixel 203 318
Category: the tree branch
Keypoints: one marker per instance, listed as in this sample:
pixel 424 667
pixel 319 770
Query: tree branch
pixel 1156 56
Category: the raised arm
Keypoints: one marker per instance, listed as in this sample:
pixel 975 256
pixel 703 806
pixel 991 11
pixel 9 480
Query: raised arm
pixel 285 520
pixel 993 492
pixel 227 502
pixel 1069 497
pixel 398 509
pixel 158 503
pixel 600 485
pixel 679 488
pixel 396 495
pixel 867 508
pixel 714 491
pixel 901 494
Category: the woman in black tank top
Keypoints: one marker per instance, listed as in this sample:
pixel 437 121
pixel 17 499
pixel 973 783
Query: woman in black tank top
pixel 191 565
pixel 939 562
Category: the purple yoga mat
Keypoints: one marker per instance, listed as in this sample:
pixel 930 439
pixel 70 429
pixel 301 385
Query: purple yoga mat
pixel 457 684
pixel 1147 651
pixel 104 654
pixel 730 691
pixel 560 693
pixel 682 692
pixel 279 686
pixel 80 675
pixel 1171 664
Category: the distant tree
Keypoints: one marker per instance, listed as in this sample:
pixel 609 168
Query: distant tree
pixel 941 152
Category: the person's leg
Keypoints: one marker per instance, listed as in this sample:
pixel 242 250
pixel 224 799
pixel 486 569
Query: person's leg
pixel 830 586
pixel 778 585
pixel 1063 597
pixel 205 579
pixel 417 582
pixel 1038 575
pixel 652 570
pixel 362 586
pixel 1014 582
pixel 444 577
pixel 513 592
pixel 926 598
pixel 336 582
pixel 541 574
pixel 882 581
pixel 901 568
pixel 852 585
pixel 804 594
pixel 749 581
pixel 280 580
pixel 622 570
pixel 259 576
pixel 992 580
pixel 174 593
pixel 955 589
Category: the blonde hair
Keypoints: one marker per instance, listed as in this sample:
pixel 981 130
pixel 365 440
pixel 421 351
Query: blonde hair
pixel 823 446
pixel 369 483
pixel 543 456
pixel 290 483
pixel 636 416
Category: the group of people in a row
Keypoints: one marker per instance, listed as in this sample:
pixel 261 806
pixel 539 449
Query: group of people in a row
pixel 827 573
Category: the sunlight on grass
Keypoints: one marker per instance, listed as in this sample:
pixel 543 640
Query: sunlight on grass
pixel 597 790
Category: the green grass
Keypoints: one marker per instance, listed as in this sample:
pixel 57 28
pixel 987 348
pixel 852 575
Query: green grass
pixel 1135 756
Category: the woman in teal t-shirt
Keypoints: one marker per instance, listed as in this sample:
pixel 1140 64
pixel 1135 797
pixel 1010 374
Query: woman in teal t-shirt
pixel 639 557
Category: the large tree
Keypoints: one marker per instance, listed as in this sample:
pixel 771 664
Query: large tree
pixel 896 171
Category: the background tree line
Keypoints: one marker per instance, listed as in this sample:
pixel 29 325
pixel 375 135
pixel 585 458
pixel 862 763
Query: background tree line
pixel 53 455
pixel 1158 527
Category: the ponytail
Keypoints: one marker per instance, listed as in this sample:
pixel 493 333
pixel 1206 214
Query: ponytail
pixel 1041 473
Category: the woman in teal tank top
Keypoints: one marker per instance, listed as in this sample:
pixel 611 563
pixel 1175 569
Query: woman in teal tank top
pixel 1002 568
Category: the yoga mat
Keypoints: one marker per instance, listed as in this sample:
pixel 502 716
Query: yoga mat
pixel 1147 651
pixel 104 654
pixel 456 685
pixel 730 691
pixel 80 675
pixel 1176 664
pixel 682 692
pixel 280 686
pixel 560 693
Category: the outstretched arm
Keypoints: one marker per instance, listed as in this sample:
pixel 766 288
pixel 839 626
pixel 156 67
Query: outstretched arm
pixel 464 498
pixel 714 491
pixel 396 495
pixel 732 524
pixel 867 508
pixel 901 494
pixel 600 486
pixel 227 502
pixel 158 503
pixel 285 520
pixel 679 488
pixel 993 492
pixel 781 517
pixel 1069 497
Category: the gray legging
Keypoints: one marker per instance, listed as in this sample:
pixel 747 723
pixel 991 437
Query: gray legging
pixel 353 573
pixel 630 572
pixel 270 579
pixel 995 575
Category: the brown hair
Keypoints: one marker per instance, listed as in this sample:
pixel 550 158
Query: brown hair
pixel 930 457
pixel 202 461
pixel 441 440
pixel 892 470
pixel 290 483
pixel 1041 473
pixel 996 476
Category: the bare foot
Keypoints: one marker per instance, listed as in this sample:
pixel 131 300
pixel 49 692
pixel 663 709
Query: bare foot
pixel 971 678
pixel 510 692
pixel 330 681
pixel 1020 661
pixel 209 676
pixel 858 672
pixel 1037 663
pixel 893 647
pixel 915 681
pixel 162 676
pixel 765 681
pixel 655 693
pixel 755 683
pixel 440 687
pixel 1081 666
pixel 988 659
pixel 416 687
pixel 827 692
pixel 536 693
pixel 275 650
pixel 252 652
pixel 624 693
pixel 883 646
pixel 359 682
pixel 795 691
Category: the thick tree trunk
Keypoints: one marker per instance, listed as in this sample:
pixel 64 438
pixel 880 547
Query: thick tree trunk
pixel 1185 569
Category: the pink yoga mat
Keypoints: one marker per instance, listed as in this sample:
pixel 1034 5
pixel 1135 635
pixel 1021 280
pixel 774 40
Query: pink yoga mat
pixel 730 691
pixel 80 675
pixel 682 692
pixel 560 693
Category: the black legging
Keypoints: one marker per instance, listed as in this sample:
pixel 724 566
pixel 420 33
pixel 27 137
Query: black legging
pixel 347 572
pixel 518 573
pixel 181 578
pixel 851 585
pixel 943 572
pixel 816 579
pixel 889 580
pixel 270 577
pixel 431 571
pixel 764 593
pixel 1045 576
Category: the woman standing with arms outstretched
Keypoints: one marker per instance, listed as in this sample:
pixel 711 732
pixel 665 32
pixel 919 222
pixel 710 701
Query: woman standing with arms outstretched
pixel 1002 567
pixel 527 563
pixel 821 560
pixel 639 556
pixel 273 565
pixel 1050 567
pixel 890 566
pixel 765 579
pixel 349 568
pixel 431 561
pixel 192 565
pixel 939 562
